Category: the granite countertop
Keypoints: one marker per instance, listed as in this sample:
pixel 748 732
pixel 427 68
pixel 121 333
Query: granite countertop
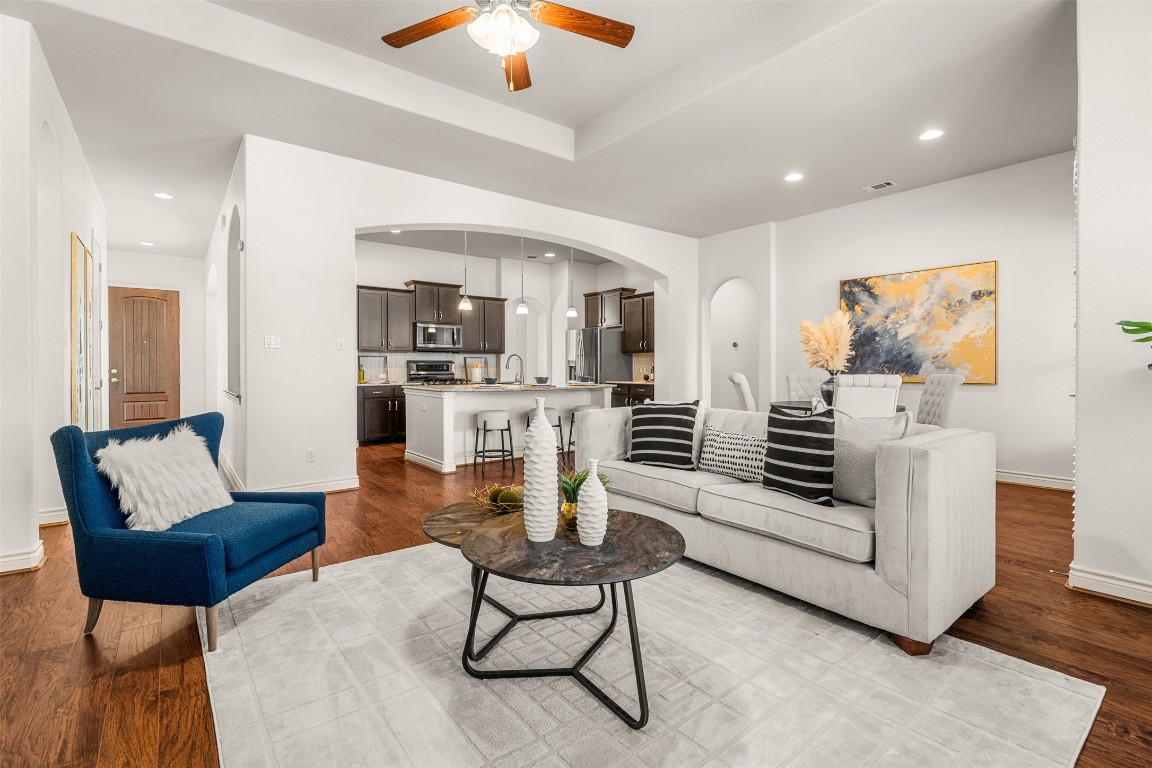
pixel 480 388
pixel 642 383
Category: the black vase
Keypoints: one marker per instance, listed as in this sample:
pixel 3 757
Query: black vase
pixel 828 389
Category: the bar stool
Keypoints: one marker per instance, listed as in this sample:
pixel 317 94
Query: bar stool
pixel 572 422
pixel 553 417
pixel 493 421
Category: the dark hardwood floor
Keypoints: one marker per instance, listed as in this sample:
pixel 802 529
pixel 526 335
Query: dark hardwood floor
pixel 134 693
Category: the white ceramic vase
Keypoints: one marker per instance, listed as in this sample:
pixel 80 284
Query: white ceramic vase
pixel 541 503
pixel 592 519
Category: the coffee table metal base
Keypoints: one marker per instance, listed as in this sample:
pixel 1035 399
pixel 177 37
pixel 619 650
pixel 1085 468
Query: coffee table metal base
pixel 480 581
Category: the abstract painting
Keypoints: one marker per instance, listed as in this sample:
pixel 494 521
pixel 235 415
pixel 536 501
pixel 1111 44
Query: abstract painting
pixel 940 320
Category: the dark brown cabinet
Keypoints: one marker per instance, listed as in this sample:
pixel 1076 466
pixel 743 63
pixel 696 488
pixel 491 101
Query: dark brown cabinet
pixel 483 326
pixel 436 302
pixel 627 395
pixel 384 320
pixel 380 413
pixel 603 309
pixel 639 323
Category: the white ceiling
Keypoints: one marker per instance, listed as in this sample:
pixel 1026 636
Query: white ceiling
pixel 488 245
pixel 573 78
pixel 690 129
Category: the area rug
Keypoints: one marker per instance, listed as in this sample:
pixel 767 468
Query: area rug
pixel 363 669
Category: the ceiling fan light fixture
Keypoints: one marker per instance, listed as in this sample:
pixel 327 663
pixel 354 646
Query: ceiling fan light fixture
pixel 503 31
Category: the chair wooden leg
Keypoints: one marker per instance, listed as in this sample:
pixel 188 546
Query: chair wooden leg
pixel 211 615
pixel 910 646
pixel 316 564
pixel 94 607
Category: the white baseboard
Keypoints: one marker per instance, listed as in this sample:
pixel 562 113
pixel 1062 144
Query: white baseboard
pixel 53 516
pixel 23 561
pixel 1113 584
pixel 339 484
pixel 425 461
pixel 1040 481
pixel 230 474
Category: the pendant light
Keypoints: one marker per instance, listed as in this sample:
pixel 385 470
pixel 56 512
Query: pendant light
pixel 571 307
pixel 465 302
pixel 521 308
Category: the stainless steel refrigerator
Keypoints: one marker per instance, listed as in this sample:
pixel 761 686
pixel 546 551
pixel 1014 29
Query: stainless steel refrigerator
pixel 594 355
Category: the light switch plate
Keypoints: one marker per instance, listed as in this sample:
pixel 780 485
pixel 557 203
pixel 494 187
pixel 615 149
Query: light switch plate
pixel 339 342
pixel 271 342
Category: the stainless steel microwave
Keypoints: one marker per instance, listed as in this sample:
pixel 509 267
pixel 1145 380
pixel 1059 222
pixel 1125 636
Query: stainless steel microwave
pixel 439 336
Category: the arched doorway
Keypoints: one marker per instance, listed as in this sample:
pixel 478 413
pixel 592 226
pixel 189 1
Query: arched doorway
pixel 732 343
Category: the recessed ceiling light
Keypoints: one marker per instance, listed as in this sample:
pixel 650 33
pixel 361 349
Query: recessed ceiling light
pixel 394 231
pixel 794 176
pixel 162 195
pixel 148 244
pixel 549 255
pixel 931 133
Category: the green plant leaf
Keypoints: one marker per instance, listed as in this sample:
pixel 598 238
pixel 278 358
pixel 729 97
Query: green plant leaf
pixel 1134 329
pixel 1135 324
pixel 1146 338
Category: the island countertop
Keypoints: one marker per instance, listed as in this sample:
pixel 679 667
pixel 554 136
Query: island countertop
pixel 475 389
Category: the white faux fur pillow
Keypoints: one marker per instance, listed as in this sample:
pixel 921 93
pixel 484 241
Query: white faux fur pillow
pixel 163 480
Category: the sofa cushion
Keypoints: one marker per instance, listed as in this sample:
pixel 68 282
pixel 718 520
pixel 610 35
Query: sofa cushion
pixel 672 488
pixel 249 529
pixel 664 434
pixel 846 531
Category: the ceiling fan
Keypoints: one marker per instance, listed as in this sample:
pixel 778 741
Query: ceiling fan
pixel 500 27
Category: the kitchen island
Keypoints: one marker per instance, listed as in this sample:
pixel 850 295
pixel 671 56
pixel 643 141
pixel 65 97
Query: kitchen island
pixel 441 419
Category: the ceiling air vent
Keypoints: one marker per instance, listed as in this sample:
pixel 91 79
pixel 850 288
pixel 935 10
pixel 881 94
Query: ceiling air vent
pixel 878 187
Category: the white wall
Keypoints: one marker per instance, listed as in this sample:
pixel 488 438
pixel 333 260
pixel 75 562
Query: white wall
pixel 303 208
pixel 740 254
pixel 42 165
pixel 233 444
pixel 1021 216
pixel 388 266
pixel 612 275
pixel 735 318
pixel 173 273
pixel 1114 387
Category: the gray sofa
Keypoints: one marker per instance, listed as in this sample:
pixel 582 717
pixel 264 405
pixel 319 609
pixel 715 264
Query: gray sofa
pixel 911 566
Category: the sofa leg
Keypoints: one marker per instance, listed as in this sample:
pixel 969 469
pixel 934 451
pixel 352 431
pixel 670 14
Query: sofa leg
pixel 211 615
pixel 316 564
pixel 94 607
pixel 910 646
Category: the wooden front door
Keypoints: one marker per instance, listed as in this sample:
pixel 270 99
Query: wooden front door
pixel 143 356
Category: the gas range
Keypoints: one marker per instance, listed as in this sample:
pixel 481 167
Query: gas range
pixel 441 372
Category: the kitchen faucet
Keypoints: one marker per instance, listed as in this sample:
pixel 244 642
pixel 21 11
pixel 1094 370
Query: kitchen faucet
pixel 520 375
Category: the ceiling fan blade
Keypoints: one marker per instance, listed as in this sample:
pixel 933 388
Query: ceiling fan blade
pixel 516 72
pixel 582 23
pixel 429 27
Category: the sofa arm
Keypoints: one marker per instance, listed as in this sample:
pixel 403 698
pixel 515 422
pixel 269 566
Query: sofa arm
pixel 936 524
pixel 313 498
pixel 602 434
pixel 164 567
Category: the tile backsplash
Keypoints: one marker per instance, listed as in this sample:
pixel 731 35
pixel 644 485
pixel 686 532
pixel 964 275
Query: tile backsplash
pixel 642 363
pixel 395 365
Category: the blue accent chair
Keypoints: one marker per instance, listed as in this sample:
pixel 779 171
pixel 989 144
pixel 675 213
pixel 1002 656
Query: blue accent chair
pixel 197 562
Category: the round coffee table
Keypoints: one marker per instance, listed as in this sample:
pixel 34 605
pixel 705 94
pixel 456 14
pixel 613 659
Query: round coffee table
pixel 634 547
pixel 449 526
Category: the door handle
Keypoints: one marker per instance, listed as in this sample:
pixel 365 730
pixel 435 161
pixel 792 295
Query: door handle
pixel 114 380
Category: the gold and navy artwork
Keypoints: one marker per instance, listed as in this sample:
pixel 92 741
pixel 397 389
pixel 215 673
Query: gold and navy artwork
pixel 940 320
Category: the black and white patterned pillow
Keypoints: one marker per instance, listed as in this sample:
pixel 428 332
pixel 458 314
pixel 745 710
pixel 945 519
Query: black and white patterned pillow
pixel 662 435
pixel 801 453
pixel 734 455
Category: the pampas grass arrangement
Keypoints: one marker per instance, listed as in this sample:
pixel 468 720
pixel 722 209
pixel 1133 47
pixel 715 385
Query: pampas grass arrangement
pixel 828 344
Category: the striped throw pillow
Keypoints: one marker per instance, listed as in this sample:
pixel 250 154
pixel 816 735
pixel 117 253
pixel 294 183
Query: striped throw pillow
pixel 801 452
pixel 734 455
pixel 662 435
